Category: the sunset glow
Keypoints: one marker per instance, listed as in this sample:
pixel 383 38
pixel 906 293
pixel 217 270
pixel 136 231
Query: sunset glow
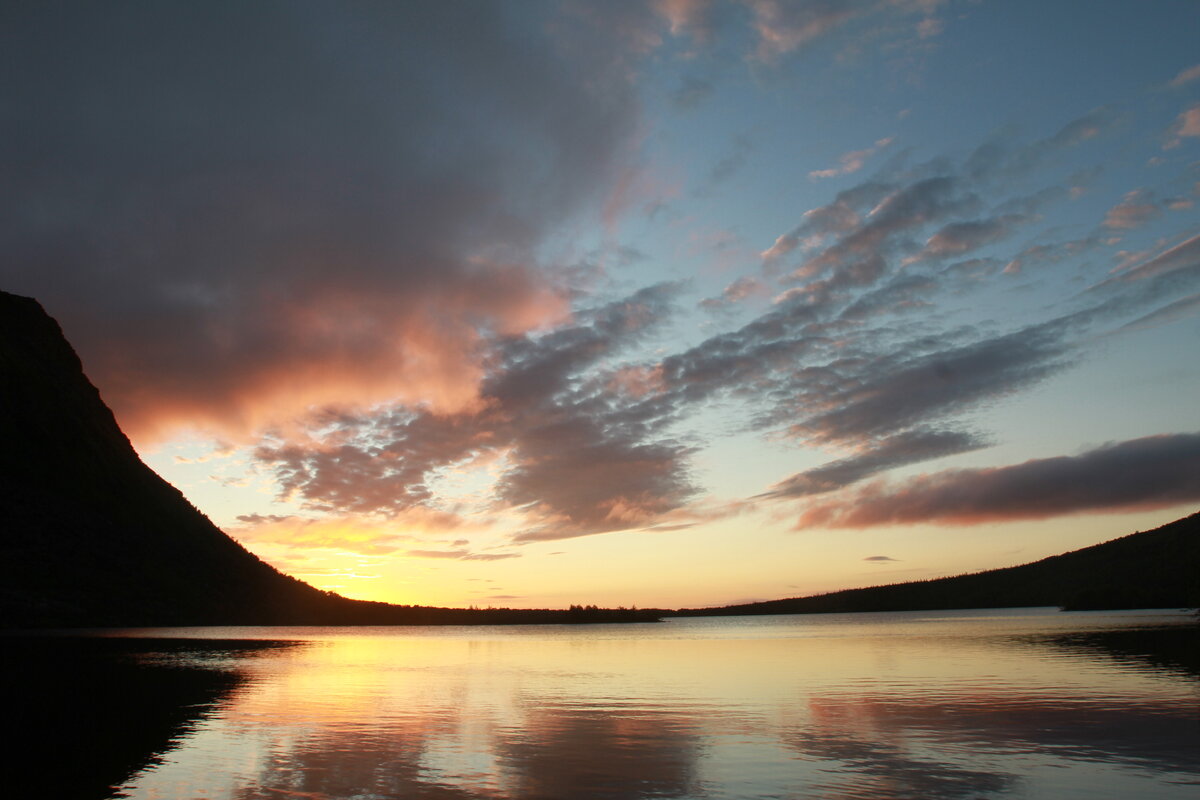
pixel 664 303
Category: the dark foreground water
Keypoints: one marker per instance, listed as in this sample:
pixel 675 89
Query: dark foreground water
pixel 1025 703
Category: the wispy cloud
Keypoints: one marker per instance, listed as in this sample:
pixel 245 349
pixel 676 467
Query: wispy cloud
pixel 1185 76
pixel 460 555
pixel 851 162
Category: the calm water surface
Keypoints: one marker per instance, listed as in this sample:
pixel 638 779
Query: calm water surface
pixel 1027 703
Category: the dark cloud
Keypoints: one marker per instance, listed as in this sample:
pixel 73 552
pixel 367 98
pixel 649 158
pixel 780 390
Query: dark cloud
pixel 874 397
pixel 229 204
pixel 583 455
pixel 904 210
pixel 959 238
pixel 909 447
pixel 576 478
pixel 734 293
pixel 1138 474
pixel 906 292
pixel 259 519
pixel 461 555
pixel 844 214
pixel 880 559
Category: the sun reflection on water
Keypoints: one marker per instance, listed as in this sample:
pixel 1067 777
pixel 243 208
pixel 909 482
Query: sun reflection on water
pixel 954 707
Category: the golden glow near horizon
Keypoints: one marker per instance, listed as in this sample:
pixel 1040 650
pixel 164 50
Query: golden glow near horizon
pixel 736 559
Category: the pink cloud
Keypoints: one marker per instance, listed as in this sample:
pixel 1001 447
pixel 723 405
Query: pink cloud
pixel 1135 210
pixel 852 161
pixel 687 17
pixel 1187 125
pixel 783 245
pixel 783 27
pixel 1185 76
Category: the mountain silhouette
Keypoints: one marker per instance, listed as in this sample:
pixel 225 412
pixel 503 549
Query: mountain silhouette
pixel 1159 568
pixel 90 536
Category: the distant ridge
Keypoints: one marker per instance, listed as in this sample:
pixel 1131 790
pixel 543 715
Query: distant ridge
pixel 1159 568
pixel 90 536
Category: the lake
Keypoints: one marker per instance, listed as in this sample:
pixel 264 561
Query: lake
pixel 1013 703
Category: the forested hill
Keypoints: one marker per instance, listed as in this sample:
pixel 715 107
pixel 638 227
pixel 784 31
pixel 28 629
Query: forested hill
pixel 90 536
pixel 1152 569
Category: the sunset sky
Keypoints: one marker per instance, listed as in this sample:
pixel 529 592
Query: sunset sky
pixel 667 303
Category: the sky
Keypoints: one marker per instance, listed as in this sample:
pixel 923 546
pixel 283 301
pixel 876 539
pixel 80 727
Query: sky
pixel 665 303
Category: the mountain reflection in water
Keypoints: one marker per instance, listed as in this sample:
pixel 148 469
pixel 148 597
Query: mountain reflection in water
pixel 1014 703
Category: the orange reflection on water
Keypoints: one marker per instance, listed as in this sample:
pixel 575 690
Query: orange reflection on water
pixel 806 710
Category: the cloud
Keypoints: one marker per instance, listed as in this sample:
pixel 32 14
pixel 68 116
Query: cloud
pixel 577 458
pixel 893 391
pixel 903 293
pixel 1135 209
pixel 1187 125
pixel 784 244
pixel 1138 474
pixel 1041 255
pixel 786 27
pixel 691 18
pixel 842 215
pixel 930 27
pixel 908 447
pixel 241 210
pixel 460 555
pixel 579 441
pixel 902 211
pixel 851 162
pixel 880 559
pixel 576 480
pixel 1185 76
pixel 960 238
pixel 1184 255
pixel 783 27
pixel 745 287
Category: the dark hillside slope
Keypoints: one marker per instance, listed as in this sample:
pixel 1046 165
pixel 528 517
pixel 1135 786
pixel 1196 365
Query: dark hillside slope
pixel 89 535
pixel 1152 569
pixel 92 537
